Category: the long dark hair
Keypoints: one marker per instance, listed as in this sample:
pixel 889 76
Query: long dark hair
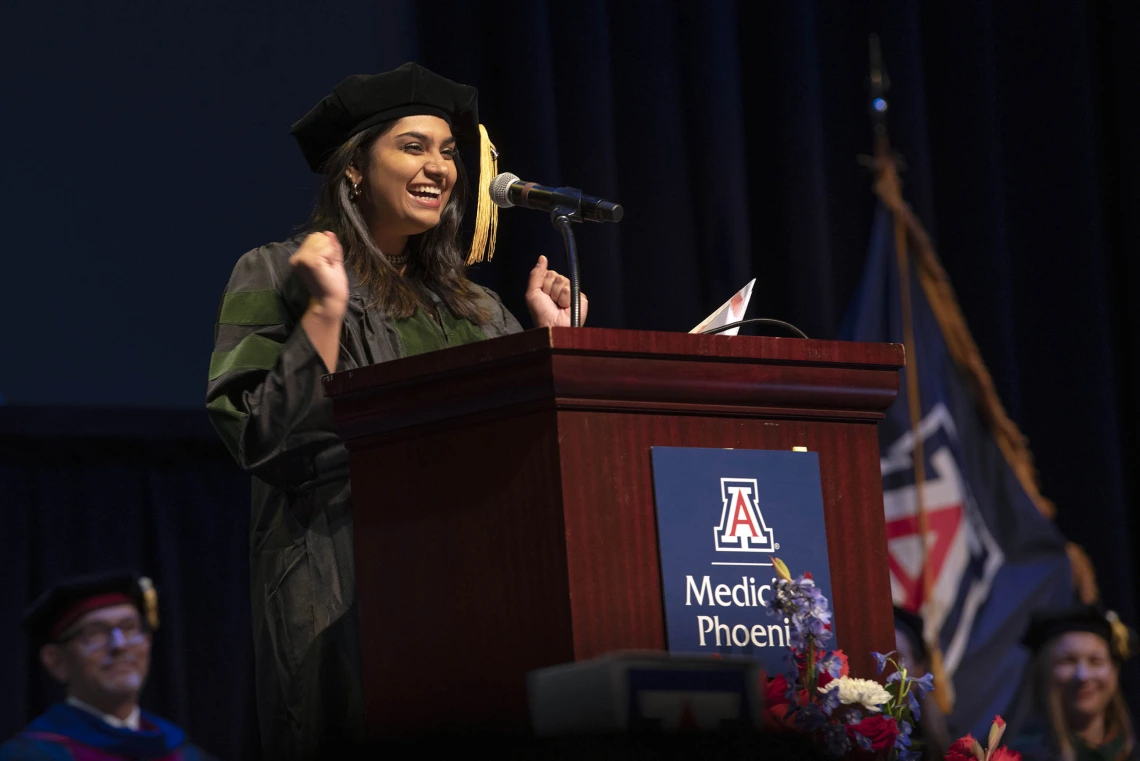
pixel 435 262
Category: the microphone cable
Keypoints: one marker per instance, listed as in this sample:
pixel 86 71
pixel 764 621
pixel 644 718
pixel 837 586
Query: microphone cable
pixel 757 321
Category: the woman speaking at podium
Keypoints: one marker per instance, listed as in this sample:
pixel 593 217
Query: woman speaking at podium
pixel 380 275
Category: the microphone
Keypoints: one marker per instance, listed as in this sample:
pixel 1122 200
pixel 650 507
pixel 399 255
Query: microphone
pixel 508 190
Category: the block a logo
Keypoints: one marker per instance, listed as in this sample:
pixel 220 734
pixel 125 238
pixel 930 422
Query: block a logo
pixel 741 527
pixel 963 555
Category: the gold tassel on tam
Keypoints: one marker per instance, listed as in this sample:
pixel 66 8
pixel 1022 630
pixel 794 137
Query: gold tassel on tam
pixel 1121 637
pixel 487 213
pixel 150 601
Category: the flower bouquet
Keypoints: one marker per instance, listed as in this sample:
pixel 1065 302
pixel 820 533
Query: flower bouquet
pixel 847 717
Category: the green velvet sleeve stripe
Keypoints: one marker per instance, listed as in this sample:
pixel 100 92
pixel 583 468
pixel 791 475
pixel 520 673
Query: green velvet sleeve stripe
pixel 253 353
pixel 252 308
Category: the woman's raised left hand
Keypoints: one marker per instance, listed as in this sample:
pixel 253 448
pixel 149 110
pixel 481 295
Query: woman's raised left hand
pixel 548 297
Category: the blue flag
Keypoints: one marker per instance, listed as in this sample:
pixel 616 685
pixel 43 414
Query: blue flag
pixel 992 556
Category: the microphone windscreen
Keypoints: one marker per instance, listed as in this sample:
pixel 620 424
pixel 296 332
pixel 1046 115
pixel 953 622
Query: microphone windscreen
pixel 498 189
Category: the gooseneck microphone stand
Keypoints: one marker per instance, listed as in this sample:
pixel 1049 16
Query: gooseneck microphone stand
pixel 562 217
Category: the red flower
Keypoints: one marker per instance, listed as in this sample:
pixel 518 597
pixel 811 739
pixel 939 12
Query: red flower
pixel 846 668
pixel 880 730
pixel 777 704
pixel 1005 754
pixel 825 678
pixel 962 749
pixel 776 693
pixel 997 729
pixel 968 749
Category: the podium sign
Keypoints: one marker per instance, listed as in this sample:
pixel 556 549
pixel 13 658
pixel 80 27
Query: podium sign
pixel 721 516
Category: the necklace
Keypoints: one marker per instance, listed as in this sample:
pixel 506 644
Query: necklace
pixel 397 261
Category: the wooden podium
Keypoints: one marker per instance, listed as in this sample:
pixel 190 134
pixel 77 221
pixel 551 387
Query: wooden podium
pixel 503 499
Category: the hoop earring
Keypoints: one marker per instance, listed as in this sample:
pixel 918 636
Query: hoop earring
pixel 356 190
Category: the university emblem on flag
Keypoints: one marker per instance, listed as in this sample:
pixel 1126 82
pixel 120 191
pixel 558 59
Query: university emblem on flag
pixel 962 555
pixel 741 527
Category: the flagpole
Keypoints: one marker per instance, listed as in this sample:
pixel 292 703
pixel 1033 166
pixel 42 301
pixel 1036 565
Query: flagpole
pixel 887 180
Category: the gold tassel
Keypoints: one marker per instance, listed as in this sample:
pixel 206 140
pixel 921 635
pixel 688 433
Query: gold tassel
pixel 150 601
pixel 1120 635
pixel 487 213
pixel 943 688
pixel 1084 575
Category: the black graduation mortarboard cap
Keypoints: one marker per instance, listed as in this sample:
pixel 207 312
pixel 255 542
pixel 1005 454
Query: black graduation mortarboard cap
pixel 1045 625
pixel 60 606
pixel 365 100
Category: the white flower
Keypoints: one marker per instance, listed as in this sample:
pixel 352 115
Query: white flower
pixel 866 692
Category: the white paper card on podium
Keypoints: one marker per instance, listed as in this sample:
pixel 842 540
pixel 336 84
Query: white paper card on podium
pixel 730 311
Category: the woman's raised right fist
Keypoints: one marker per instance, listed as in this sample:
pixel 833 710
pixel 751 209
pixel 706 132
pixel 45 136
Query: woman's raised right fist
pixel 319 263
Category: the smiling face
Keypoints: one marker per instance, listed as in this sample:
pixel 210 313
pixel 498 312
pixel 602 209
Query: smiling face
pixel 104 658
pixel 1084 673
pixel 410 177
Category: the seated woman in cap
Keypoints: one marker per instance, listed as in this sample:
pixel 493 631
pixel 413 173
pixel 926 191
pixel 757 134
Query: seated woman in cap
pixel 380 275
pixel 1082 714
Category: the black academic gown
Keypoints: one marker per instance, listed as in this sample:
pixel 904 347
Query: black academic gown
pixel 1112 751
pixel 265 399
pixel 1034 744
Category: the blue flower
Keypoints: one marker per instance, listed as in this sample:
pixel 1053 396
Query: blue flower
pixel 924 685
pixel 863 741
pixel 913 704
pixel 831 664
pixel 829 701
pixel 881 660
pixel 835 740
pixel 790 692
pixel 902 742
pixel 807 610
pixel 811 717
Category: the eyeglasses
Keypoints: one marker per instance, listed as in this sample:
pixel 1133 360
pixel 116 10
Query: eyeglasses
pixel 100 636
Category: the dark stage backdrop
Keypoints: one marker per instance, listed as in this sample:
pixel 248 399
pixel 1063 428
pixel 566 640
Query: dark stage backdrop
pixel 147 147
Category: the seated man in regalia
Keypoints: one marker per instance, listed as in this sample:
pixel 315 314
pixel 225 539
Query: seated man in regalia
pixel 94 637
